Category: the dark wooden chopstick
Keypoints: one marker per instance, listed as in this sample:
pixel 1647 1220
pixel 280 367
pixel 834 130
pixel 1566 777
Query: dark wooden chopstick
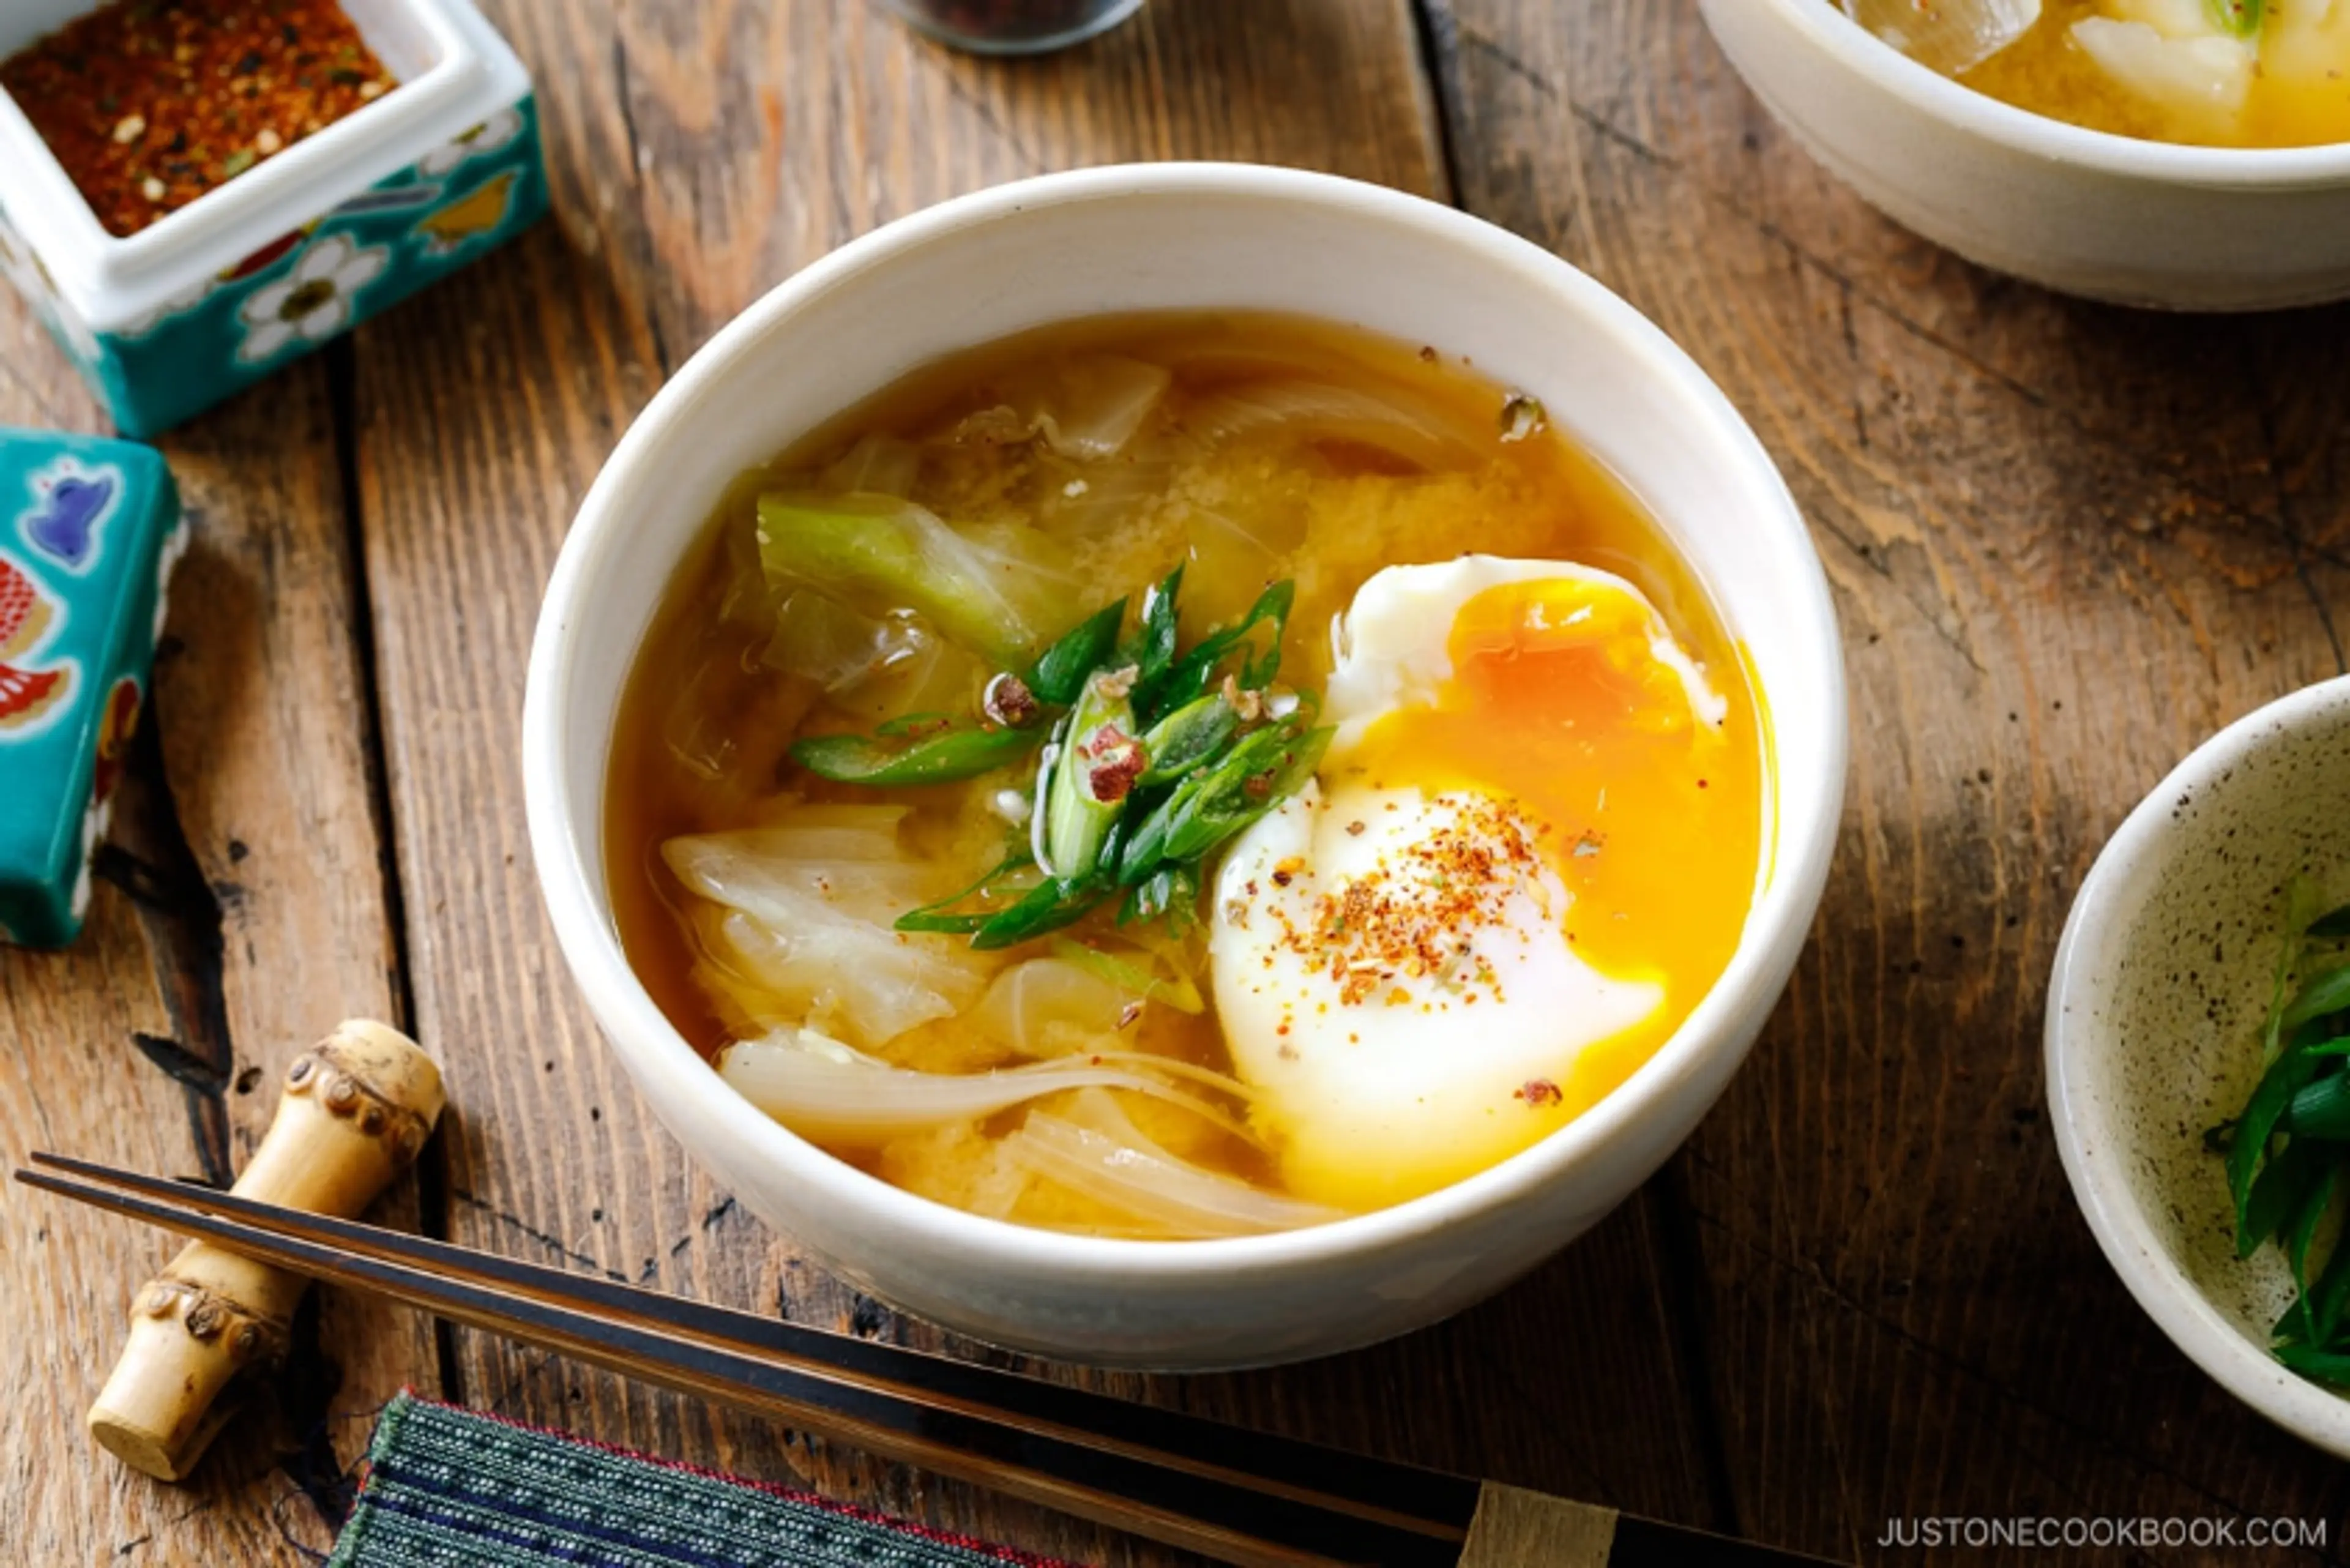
pixel 1241 1496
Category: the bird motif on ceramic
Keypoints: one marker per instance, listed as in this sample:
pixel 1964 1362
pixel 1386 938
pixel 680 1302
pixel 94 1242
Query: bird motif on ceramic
pixel 28 616
pixel 64 521
pixel 469 217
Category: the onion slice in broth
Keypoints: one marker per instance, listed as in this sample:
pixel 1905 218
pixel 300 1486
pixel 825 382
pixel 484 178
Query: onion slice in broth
pixel 1420 436
pixel 1114 1163
pixel 833 1093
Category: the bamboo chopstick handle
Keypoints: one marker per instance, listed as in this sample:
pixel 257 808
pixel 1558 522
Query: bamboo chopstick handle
pixel 1518 1529
pixel 356 1108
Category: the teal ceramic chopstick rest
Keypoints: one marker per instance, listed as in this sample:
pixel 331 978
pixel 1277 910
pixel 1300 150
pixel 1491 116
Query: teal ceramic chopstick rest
pixel 89 530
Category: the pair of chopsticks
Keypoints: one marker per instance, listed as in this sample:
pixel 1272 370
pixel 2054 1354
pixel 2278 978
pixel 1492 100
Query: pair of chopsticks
pixel 1242 1497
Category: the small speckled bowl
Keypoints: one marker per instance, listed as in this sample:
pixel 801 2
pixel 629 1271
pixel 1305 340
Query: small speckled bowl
pixel 2161 984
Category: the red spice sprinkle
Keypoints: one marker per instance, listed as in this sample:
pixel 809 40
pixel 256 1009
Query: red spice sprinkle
pixel 149 104
pixel 1538 1092
pixel 1113 761
pixel 1414 912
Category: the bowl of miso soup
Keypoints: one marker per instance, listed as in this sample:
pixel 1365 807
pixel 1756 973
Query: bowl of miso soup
pixel 1185 766
pixel 2187 154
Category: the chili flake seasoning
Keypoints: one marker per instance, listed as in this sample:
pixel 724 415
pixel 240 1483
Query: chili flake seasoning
pixel 151 103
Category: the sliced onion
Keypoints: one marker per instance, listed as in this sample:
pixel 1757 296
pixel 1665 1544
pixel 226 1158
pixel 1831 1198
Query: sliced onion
pixel 1116 1164
pixel 1089 407
pixel 858 979
pixel 1142 984
pixel 821 639
pixel 725 729
pixel 1230 559
pixel 940 678
pixel 824 1090
pixel 1223 1083
pixel 799 922
pixel 2203 79
pixel 876 465
pixel 1087 501
pixel 1047 1007
pixel 769 873
pixel 1951 36
pixel 992 587
pixel 869 817
pixel 1317 411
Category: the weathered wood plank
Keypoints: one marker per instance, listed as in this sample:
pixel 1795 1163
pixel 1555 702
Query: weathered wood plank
pixel 240 912
pixel 2067 542
pixel 715 149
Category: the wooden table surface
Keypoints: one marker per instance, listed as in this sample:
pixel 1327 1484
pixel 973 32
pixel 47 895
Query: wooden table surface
pixel 2066 542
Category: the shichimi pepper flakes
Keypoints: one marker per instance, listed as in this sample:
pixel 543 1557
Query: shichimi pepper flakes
pixel 151 103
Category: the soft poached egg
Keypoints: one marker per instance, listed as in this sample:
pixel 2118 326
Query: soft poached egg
pixel 1465 931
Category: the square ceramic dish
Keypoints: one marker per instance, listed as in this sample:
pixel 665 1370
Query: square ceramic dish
pixel 89 530
pixel 341 224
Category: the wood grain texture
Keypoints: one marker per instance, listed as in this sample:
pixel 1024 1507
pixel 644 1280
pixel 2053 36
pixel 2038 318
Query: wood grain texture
pixel 1514 1527
pixel 241 911
pixel 2067 542
pixel 700 153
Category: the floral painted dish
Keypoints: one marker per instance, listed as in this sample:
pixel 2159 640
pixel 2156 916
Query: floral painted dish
pixel 338 227
pixel 90 531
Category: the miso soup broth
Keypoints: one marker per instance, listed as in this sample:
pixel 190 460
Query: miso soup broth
pixel 2220 73
pixel 1412 799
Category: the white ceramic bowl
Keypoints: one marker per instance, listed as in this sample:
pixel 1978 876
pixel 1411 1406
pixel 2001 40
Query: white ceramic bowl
pixel 2161 986
pixel 2140 223
pixel 1177 237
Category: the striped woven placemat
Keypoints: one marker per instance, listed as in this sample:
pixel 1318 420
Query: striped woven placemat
pixel 444 1487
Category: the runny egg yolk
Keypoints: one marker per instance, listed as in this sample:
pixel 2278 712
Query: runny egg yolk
pixel 1527 855
pixel 1649 810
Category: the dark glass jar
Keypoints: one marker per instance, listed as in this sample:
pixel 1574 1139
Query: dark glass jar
pixel 1014 27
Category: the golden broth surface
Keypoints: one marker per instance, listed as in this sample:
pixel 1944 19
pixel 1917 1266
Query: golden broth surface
pixel 2301 104
pixel 703 729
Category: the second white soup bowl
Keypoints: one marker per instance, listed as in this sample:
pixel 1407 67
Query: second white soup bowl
pixel 1158 238
pixel 2138 223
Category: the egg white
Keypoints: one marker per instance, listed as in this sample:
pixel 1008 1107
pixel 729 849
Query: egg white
pixel 1432 1075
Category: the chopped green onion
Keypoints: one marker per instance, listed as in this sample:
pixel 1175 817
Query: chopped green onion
pixel 2241 17
pixel 1186 738
pixel 1170 893
pixel 943 917
pixel 2333 1294
pixel 1052 904
pixel 1178 993
pixel 2279 1191
pixel 1248 784
pixel 2323 995
pixel 2333 926
pixel 2320 1110
pixel 1100 759
pixel 890 761
pixel 2300 1232
pixel 1191 675
pixel 1061 669
pixel 2322 1366
pixel 1156 650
